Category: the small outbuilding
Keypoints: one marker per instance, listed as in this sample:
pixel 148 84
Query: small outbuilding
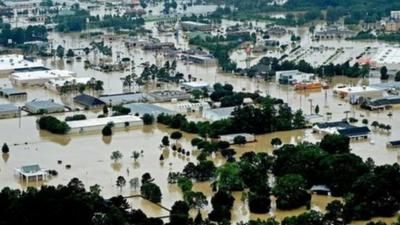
pixel 31 173
pixel 8 111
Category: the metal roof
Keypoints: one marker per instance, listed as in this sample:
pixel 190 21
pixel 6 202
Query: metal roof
pixel 8 108
pixel 143 108
pixel 43 104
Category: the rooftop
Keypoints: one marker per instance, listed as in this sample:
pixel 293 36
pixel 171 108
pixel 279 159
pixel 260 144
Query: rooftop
pixel 88 100
pixel 196 84
pixel 123 98
pixel 14 61
pixel 8 107
pixel 103 121
pixel 43 104
pixel 11 91
pixel 143 108
pixel 43 74
pixel 354 131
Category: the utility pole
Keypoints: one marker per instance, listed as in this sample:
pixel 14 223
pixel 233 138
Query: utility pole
pixel 311 105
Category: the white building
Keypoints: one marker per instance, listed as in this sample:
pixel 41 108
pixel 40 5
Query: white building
pixel 388 56
pixel 13 62
pixel 230 137
pixel 196 85
pixel 395 14
pixel 293 77
pixel 40 77
pixel 97 124
pixel 357 94
pixel 218 113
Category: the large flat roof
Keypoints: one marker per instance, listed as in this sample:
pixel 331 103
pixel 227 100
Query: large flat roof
pixel 14 61
pixel 8 107
pixel 103 121
pixel 143 108
pixel 44 74
pixel 43 104
pixel 123 98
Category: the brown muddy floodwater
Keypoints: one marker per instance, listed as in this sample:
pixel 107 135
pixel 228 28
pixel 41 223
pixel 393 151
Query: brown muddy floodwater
pixel 89 153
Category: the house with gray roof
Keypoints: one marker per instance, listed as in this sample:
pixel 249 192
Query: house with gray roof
pixel 43 106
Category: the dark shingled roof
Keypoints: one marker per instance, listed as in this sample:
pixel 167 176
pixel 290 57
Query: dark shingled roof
pixel 88 100
pixel 342 124
pixel 354 131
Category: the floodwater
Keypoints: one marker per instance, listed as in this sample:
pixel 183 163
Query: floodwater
pixel 89 153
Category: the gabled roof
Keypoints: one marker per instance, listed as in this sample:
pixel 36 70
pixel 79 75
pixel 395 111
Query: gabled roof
pixel 31 169
pixel 341 124
pixel 354 131
pixel 88 100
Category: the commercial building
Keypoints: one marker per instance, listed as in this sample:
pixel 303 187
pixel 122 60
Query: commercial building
pixel 167 96
pixel 293 77
pixel 123 98
pixel 383 103
pixel 139 109
pixel 159 46
pixel 202 59
pixel 40 77
pixel 218 113
pixel 88 101
pixel 357 94
pixel 195 26
pixel 343 128
pixel 17 63
pixel 97 124
pixel 12 93
pixel 231 137
pixel 388 56
pixel 195 85
pixel 8 111
pixel 43 106
pixel 333 32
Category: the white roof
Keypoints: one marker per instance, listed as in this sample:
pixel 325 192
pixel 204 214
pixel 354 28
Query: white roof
pixel 356 89
pixel 196 84
pixel 14 61
pixel 61 81
pixel 388 55
pixel 43 75
pixel 103 121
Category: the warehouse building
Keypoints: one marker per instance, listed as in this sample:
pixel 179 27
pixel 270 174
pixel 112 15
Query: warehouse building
pixel 8 111
pixel 97 124
pixel 139 109
pixel 43 106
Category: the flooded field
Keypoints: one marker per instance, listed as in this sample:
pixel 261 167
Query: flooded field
pixel 89 153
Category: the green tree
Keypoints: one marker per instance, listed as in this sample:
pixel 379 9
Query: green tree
pixel 135 155
pixel 165 141
pixel 229 177
pixel 176 135
pixel 185 184
pixel 239 140
pixel 151 192
pixel 121 182
pixel 107 130
pixel 276 141
pixel 5 148
pixel 397 77
pixel 60 51
pixel 179 213
pixel 335 143
pixel 316 110
pixel 70 53
pixel 384 73
pixel 116 156
pixel 290 191
pixel 148 119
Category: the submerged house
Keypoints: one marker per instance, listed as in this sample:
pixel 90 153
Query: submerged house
pixel 31 173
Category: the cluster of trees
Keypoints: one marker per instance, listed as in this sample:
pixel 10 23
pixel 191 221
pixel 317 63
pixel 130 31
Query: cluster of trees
pixel 325 70
pixel 149 190
pixel 167 73
pixel 227 97
pixel 311 10
pixel 70 204
pixel 21 35
pixel 272 115
pixel 220 47
pixel 53 125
